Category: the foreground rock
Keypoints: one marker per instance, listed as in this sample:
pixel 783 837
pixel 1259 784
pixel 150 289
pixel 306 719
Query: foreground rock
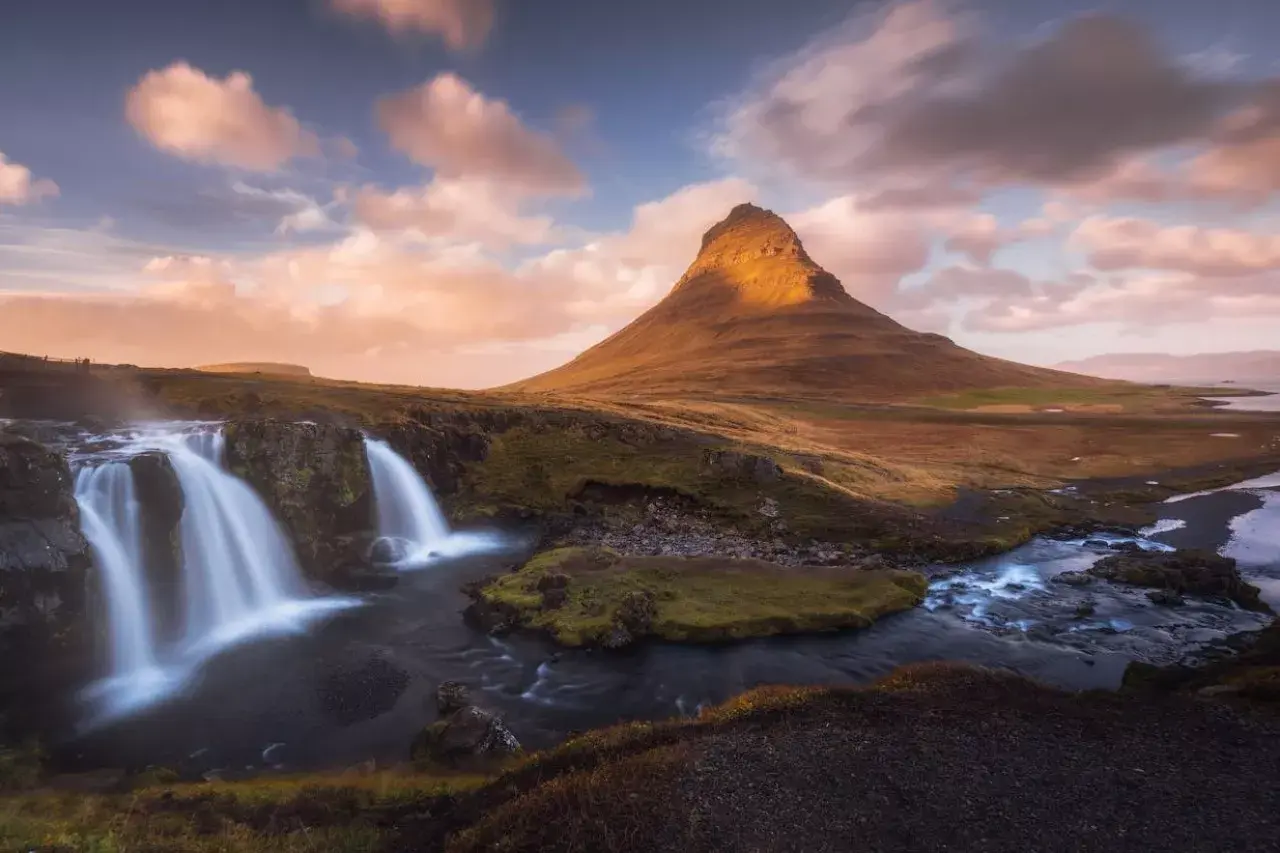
pixel 1184 572
pixel 315 478
pixel 594 597
pixel 1246 667
pixel 45 566
pixel 464 735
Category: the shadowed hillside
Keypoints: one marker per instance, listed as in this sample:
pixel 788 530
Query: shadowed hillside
pixel 269 367
pixel 755 316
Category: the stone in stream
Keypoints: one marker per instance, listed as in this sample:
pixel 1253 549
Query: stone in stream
pixel 1187 572
pixel 464 735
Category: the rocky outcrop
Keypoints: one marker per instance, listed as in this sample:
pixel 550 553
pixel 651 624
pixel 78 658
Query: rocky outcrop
pixel 160 497
pixel 1186 572
pixel 734 464
pixel 45 565
pixel 440 445
pixel 464 735
pixel 315 479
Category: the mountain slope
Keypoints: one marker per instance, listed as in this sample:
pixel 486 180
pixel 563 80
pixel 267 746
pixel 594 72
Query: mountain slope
pixel 1259 366
pixel 755 316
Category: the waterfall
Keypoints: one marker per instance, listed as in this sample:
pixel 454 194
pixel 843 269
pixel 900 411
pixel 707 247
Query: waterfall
pixel 109 517
pixel 407 513
pixel 239 572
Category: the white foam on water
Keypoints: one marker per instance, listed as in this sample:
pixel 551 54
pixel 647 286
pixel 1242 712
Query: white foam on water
pixel 1164 525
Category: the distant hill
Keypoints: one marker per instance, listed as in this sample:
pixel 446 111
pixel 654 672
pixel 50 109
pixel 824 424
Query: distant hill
pixel 755 316
pixel 1258 367
pixel 271 367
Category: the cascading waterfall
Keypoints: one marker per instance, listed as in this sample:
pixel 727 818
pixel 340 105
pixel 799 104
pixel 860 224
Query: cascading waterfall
pixel 110 518
pixel 407 513
pixel 239 571
pixel 237 561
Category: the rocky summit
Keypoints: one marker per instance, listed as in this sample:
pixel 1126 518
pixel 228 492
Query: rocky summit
pixel 755 316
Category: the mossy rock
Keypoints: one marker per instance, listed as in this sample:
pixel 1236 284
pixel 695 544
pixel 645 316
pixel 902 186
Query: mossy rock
pixel 612 600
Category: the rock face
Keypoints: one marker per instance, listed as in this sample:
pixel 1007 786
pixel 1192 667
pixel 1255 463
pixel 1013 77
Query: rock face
pixel 744 466
pixel 1186 572
pixel 160 496
pixel 315 478
pixel 45 566
pixel 464 735
pixel 441 445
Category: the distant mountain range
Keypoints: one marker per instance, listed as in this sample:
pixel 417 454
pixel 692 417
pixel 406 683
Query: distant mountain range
pixel 1258 367
pixel 755 316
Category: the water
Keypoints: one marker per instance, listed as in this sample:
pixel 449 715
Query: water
pixel 1253 404
pixel 410 524
pixel 238 570
pixel 110 517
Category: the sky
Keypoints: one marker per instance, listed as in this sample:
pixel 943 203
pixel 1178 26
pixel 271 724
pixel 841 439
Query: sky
pixel 462 193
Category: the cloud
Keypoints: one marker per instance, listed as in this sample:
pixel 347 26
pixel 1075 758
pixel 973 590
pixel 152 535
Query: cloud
pixel 455 210
pixel 448 126
pixel 914 90
pixel 185 112
pixel 460 23
pixel 1132 243
pixel 17 185
pixel 298 212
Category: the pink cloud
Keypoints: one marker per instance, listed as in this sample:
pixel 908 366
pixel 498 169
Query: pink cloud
pixel 19 186
pixel 453 209
pixel 185 112
pixel 1129 243
pixel 461 23
pixel 448 126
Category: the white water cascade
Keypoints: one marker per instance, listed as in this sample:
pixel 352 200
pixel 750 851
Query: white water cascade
pixel 407 513
pixel 110 518
pixel 409 520
pixel 239 572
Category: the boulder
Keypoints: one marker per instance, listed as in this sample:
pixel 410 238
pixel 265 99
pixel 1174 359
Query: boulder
pixel 1188 572
pixel 45 573
pixel 315 478
pixel 1073 578
pixel 464 735
pixel 1166 598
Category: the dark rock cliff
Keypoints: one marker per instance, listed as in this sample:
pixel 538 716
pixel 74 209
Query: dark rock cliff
pixel 315 479
pixel 45 566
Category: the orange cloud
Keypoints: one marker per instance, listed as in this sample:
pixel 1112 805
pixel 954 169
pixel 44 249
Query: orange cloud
pixel 448 126
pixel 461 23
pixel 17 185
pixel 185 112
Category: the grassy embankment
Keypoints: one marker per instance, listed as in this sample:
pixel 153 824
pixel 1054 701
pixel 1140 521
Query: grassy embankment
pixel 691 599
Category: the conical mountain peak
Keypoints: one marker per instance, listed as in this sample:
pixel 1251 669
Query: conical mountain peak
pixel 756 253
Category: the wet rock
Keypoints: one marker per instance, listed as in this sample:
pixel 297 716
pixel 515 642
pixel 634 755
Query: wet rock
pixel 451 696
pixel 361 688
pixel 315 478
pixel 159 495
pixel 45 571
pixel 1166 598
pixel 1097 543
pixel 1189 572
pixel 467 736
pixel 1073 578
pixel 1086 609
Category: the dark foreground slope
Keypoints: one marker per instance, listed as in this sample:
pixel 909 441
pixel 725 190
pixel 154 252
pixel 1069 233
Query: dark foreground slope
pixel 936 757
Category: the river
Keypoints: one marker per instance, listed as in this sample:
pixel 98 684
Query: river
pixel 361 684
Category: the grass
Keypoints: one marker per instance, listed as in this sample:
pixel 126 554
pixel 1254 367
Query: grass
pixel 309 814
pixel 1113 397
pixel 698 599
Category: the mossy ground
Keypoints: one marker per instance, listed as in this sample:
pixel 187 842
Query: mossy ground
pixel 700 599
pixel 334 814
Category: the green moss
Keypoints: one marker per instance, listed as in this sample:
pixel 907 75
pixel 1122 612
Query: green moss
pixel 698 599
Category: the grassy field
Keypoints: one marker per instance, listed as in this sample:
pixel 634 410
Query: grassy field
pixel 694 599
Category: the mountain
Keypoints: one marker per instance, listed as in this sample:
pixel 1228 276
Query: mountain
pixel 755 316
pixel 1257 367
pixel 271 367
